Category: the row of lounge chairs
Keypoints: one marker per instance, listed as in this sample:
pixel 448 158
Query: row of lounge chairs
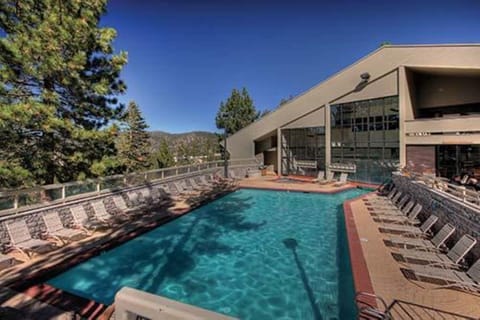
pixel 424 254
pixel 329 178
pixel 83 225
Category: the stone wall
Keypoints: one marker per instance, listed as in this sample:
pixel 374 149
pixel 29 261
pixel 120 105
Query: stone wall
pixel 37 227
pixel 446 207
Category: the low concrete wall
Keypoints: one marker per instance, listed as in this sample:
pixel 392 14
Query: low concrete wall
pixel 465 218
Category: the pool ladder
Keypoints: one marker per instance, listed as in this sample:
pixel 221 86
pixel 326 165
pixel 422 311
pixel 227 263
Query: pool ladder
pixel 367 305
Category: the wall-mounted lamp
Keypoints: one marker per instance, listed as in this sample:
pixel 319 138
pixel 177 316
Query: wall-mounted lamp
pixel 365 76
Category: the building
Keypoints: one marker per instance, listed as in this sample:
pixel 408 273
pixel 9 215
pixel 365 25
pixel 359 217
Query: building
pixel 416 106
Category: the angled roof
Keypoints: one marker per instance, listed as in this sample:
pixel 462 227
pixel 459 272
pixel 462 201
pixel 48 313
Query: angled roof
pixel 378 63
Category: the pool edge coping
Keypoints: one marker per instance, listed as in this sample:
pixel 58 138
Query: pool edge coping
pixel 361 275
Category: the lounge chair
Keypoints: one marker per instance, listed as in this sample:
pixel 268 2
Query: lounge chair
pixel 6 261
pixel 402 211
pixel 146 195
pixel 342 180
pixel 232 175
pixel 468 281
pixel 56 229
pixel 398 207
pixel 407 230
pixel 120 203
pixel 81 219
pixel 451 259
pixel 329 178
pixel 195 186
pixel 381 199
pixel 411 218
pixel 159 196
pixel 181 189
pixel 320 176
pixel 102 215
pixel 204 182
pixel 393 203
pixel 436 242
pixel 22 240
pixel 133 198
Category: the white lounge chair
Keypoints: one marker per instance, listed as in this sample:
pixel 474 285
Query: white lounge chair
pixel 102 215
pixel 468 281
pixel 22 240
pixel 6 261
pixel 451 259
pixel 56 229
pixel 424 228
pixel 81 219
pixel 180 189
pixel 377 198
pixel 195 186
pixel 205 182
pixel 342 180
pixel 411 218
pixel 133 198
pixel 402 211
pixel 120 203
pixel 393 203
pixel 320 176
pixel 435 243
pixel 329 178
pixel 233 175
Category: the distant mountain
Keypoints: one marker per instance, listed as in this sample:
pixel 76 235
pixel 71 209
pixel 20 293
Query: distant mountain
pixel 177 139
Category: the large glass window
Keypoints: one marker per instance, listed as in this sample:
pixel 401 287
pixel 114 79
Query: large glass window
pixel 458 160
pixel 303 150
pixel 366 133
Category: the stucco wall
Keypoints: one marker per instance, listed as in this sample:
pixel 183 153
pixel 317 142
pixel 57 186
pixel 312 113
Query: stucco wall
pixel 378 64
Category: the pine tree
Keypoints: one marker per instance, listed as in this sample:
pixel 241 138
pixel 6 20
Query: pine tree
pixel 237 112
pixel 134 143
pixel 59 78
pixel 163 158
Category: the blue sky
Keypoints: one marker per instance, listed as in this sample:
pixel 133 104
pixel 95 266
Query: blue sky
pixel 185 57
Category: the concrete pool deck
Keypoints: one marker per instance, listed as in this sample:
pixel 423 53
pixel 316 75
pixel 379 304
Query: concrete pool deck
pixel 390 283
pixel 374 268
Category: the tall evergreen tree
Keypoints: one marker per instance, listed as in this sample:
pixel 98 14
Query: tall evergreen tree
pixel 237 112
pixel 59 78
pixel 134 142
pixel 163 158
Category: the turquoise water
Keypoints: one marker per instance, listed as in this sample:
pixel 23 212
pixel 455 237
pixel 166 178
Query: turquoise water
pixel 252 254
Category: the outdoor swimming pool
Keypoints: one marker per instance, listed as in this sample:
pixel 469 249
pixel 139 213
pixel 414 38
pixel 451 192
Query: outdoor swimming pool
pixel 253 254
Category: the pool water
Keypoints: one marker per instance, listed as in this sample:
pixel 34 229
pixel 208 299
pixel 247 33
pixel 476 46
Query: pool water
pixel 253 254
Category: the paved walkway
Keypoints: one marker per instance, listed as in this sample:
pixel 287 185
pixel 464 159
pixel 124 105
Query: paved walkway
pixel 389 282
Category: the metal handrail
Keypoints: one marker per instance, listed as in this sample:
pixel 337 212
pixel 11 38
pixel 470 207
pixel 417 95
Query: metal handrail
pixel 459 192
pixel 369 310
pixel 12 200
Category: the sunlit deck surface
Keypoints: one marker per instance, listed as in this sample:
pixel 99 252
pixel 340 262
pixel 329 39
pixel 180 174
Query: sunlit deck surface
pixel 411 299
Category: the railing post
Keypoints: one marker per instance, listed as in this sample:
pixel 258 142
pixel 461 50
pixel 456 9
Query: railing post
pixel 63 192
pixel 98 186
pixel 163 174
pixel 176 171
pixel 15 201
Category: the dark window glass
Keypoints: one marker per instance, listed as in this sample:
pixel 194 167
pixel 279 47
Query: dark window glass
pixel 303 150
pixel 367 133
